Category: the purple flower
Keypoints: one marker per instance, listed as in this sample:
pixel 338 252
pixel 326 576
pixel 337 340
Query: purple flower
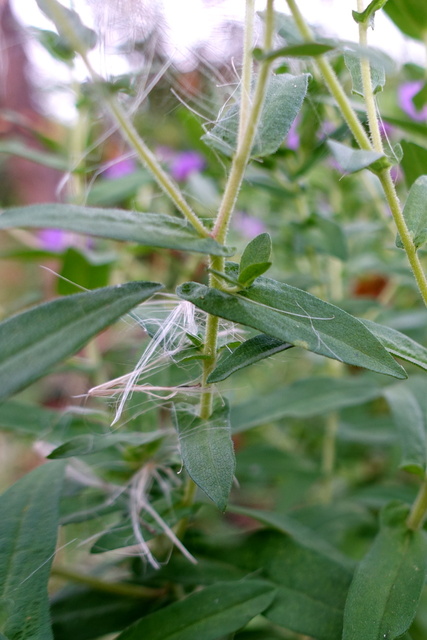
pixel 55 239
pixel 185 163
pixel 406 94
pixel 247 226
pixel 120 168
pixel 292 139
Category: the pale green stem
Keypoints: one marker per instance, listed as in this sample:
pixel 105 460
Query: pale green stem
pixel 130 590
pixel 419 508
pixel 243 151
pixel 152 164
pixel 234 182
pixel 149 159
pixel 332 82
pixel 247 68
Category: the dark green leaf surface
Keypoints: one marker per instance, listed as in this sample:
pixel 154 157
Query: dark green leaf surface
pixel 386 588
pixel 33 341
pixel 209 614
pixel 255 259
pixel 415 213
pixel 297 317
pixel 409 420
pixel 409 15
pixel 84 614
pixel 303 399
pixel 285 95
pixel 28 530
pixel 352 160
pixel 414 161
pixel 311 587
pixel 249 352
pixel 207 450
pixel 399 344
pixel 147 229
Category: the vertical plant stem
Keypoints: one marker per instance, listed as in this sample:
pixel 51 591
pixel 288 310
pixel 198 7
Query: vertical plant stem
pixel 249 116
pixel 127 128
pixel 419 508
pixel 332 82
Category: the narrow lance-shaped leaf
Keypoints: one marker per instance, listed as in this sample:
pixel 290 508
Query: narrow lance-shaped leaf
pixel 207 450
pixel 409 420
pixel 310 49
pixel 415 213
pixel 387 585
pixel 214 612
pixel 414 161
pixel 303 399
pixel 285 95
pixel 28 531
pixel 147 229
pixel 297 317
pixel 399 344
pixel 251 351
pixel 33 341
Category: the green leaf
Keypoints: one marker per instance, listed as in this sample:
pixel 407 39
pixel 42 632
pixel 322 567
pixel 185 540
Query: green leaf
pixel 86 614
pixel 352 62
pixel 414 161
pixel 368 14
pixel 386 588
pixel 89 270
pixel 415 213
pixel 69 26
pixel 249 352
pixel 410 16
pixel 321 234
pixel 297 317
pixel 311 49
pixel 28 529
pixel 352 160
pixel 147 229
pixel 207 450
pixel 35 340
pixel 311 587
pixel 409 420
pixel 303 399
pixel 285 95
pixel 399 344
pixel 209 614
pixel 255 259
pixel 296 530
pixel 22 150
pixel 92 443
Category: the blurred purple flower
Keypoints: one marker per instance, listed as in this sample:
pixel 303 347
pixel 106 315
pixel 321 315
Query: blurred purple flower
pixel 406 94
pixel 185 163
pixel 120 168
pixel 55 239
pixel 386 129
pixel 292 139
pixel 247 226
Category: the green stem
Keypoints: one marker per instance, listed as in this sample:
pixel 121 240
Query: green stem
pixel 130 590
pixel 149 159
pixel 419 508
pixel 332 82
pixel 248 122
pixel 243 151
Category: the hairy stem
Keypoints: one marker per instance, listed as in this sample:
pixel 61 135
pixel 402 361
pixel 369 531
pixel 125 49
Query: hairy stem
pixel 249 116
pixel 169 187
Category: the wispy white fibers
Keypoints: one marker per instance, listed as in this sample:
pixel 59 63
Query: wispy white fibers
pixel 167 341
